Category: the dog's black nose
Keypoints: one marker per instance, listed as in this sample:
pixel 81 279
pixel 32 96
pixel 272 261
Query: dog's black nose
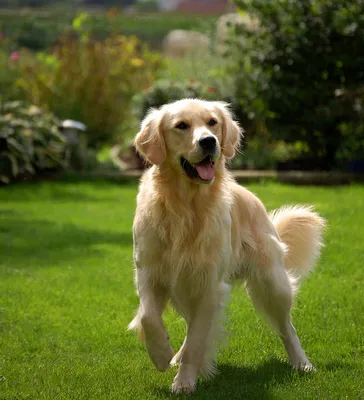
pixel 207 143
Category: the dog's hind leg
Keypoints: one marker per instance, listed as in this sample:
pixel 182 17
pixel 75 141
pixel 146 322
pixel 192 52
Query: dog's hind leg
pixel 148 321
pixel 272 295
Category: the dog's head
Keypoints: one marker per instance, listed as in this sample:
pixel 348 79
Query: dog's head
pixel 191 136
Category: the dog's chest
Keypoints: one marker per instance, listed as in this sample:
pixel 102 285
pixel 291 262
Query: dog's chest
pixel 187 244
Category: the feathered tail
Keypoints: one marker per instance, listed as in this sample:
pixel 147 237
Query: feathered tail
pixel 301 230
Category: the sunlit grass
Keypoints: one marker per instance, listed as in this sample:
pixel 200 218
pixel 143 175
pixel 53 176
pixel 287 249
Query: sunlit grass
pixel 67 295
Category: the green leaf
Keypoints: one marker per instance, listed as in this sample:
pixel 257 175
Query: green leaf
pixel 16 145
pixel 4 179
pixel 14 163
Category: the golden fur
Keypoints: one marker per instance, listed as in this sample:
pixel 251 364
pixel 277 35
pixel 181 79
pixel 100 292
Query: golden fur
pixel 192 239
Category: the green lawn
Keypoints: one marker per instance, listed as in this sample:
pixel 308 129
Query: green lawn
pixel 67 295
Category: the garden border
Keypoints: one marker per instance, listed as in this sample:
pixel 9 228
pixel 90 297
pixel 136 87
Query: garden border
pixel 319 178
pixel 326 178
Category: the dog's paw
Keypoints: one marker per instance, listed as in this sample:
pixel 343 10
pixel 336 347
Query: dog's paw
pixel 185 380
pixel 183 386
pixel 161 355
pixel 157 344
pixel 304 366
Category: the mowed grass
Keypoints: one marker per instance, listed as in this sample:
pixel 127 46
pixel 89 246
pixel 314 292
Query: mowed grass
pixel 67 295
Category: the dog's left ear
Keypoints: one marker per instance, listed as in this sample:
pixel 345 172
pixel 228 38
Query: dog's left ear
pixel 231 130
pixel 149 141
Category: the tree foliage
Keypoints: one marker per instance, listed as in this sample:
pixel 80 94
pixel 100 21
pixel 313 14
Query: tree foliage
pixel 293 67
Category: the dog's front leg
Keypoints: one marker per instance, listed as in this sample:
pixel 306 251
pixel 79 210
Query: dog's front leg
pixel 148 321
pixel 202 328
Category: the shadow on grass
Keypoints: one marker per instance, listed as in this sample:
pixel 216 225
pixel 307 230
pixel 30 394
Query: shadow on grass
pixel 39 242
pixel 241 382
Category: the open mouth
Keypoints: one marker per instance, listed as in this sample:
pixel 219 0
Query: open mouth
pixel 204 170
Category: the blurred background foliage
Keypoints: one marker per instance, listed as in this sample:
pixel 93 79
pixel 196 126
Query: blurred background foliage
pixel 299 73
pixel 29 141
pixel 91 81
pixel 293 71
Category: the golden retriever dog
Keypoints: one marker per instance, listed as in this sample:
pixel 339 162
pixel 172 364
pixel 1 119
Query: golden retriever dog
pixel 196 231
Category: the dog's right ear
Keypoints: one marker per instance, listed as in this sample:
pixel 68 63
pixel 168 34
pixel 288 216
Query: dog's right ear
pixel 149 141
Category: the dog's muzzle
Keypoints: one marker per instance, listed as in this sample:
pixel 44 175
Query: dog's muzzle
pixel 203 171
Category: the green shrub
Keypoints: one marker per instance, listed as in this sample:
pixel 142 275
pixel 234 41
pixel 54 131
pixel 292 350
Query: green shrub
pixel 29 141
pixel 38 30
pixel 92 82
pixel 34 30
pixel 351 149
pixel 262 153
pixel 24 3
pixel 8 76
pixel 147 5
pixel 9 70
pixel 149 27
pixel 165 91
pixel 352 146
pixel 288 69
pixel 208 69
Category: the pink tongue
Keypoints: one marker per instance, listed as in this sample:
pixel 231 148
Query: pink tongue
pixel 206 171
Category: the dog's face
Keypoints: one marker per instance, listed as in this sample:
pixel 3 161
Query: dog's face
pixel 190 136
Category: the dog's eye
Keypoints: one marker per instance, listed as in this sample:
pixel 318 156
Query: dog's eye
pixel 182 125
pixel 212 122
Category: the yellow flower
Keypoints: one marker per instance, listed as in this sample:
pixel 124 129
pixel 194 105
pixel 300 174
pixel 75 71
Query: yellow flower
pixel 136 62
pixel 27 132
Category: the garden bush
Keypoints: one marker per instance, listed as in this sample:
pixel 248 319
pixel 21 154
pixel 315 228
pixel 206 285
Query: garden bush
pixel 148 27
pixel 146 5
pixel 92 82
pixel 351 151
pixel 167 91
pixel 8 76
pixel 260 152
pixel 35 30
pixel 29 141
pixel 9 70
pixel 207 68
pixel 288 69
pixel 38 30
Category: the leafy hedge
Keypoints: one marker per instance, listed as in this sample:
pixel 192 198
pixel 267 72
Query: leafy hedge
pixel 167 91
pixel 9 74
pixel 39 30
pixel 34 30
pixel 257 153
pixel 291 67
pixel 29 141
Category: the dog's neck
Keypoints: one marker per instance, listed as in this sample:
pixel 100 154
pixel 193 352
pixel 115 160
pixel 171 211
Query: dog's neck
pixel 173 186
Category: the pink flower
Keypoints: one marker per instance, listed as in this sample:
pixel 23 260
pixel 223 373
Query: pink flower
pixel 1 36
pixel 14 56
